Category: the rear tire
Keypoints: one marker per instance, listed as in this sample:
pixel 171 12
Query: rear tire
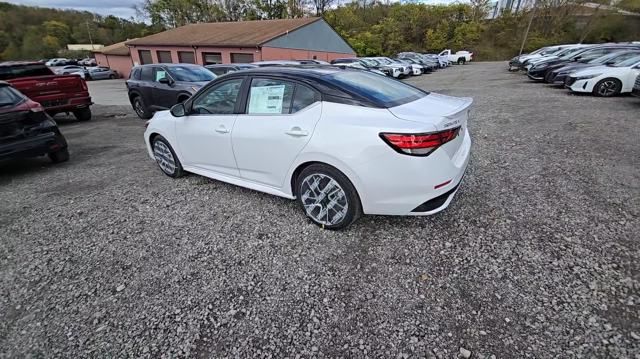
pixel 461 61
pixel 59 156
pixel 112 77
pixel 140 108
pixel 166 158
pixel 608 87
pixel 327 197
pixel 83 114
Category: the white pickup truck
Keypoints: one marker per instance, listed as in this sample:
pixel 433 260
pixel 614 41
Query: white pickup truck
pixel 460 57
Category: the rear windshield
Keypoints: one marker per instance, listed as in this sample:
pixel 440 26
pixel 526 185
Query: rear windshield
pixel 9 96
pixel 191 73
pixel 16 71
pixel 380 90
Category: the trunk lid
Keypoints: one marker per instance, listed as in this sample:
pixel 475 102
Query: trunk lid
pixel 436 112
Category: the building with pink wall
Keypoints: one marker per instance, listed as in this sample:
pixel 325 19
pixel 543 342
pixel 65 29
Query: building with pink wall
pixel 241 42
pixel 116 57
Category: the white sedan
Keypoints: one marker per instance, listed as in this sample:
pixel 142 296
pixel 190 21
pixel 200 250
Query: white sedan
pixel 606 80
pixel 342 142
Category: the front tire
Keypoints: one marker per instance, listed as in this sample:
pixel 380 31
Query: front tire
pixel 83 114
pixel 327 197
pixel 59 156
pixel 140 108
pixel 607 87
pixel 166 158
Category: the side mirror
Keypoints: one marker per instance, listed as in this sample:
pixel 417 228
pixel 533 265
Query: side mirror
pixel 577 58
pixel 178 110
pixel 166 81
pixel 609 62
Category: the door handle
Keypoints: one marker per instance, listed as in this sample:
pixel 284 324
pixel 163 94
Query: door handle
pixel 297 132
pixel 222 129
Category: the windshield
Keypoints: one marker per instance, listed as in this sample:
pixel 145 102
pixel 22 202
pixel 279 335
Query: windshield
pixel 628 62
pixel 191 73
pixel 9 96
pixel 370 62
pixel 572 52
pixel 614 57
pixel 382 91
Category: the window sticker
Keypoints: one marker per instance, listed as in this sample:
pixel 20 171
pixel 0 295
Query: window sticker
pixel 266 99
pixel 160 74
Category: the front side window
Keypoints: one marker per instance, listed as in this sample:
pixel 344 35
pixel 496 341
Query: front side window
pixel 268 96
pixel 159 73
pixel 191 73
pixel 218 100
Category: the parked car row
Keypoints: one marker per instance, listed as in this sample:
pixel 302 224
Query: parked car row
pixel 87 73
pixel 61 61
pixel 603 70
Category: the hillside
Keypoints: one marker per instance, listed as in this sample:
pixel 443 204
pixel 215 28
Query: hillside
pixel 28 32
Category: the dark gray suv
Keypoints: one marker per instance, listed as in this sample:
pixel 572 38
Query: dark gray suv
pixel 159 86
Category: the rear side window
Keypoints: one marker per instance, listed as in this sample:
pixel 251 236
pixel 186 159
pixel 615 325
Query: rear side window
pixel 147 74
pixel 16 71
pixel 302 98
pixel 135 74
pixel 382 91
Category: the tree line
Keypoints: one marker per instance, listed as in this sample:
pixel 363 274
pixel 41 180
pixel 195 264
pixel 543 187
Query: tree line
pixel 375 27
pixel 371 27
pixel 28 32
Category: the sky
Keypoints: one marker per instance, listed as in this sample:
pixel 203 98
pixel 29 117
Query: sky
pixel 120 8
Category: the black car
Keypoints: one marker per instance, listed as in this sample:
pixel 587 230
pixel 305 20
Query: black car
pixel 158 87
pixel 26 130
pixel 557 76
pixel 222 69
pixel 538 71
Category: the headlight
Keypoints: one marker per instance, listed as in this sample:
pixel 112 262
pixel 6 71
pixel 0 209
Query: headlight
pixel 540 66
pixel 586 77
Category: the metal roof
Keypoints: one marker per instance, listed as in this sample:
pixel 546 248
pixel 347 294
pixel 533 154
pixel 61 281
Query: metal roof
pixel 236 34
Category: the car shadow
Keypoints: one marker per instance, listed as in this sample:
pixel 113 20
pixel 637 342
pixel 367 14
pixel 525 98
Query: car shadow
pixel 10 169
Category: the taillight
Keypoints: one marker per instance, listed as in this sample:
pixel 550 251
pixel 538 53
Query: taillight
pixel 84 85
pixel 420 144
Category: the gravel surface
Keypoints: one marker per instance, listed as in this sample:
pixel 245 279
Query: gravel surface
pixel 538 255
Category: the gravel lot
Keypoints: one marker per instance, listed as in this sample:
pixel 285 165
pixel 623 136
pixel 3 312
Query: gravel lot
pixel 538 255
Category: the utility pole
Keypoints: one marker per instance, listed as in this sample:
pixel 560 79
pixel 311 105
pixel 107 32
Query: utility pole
pixel 89 31
pixel 526 34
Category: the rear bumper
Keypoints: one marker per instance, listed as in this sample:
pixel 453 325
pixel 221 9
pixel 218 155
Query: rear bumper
pixel 398 184
pixel 33 147
pixel 68 104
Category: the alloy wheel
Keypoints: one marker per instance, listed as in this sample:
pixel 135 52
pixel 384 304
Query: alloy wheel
pixel 324 200
pixel 138 108
pixel 607 88
pixel 164 157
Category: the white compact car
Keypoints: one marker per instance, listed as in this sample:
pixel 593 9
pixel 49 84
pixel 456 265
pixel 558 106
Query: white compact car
pixel 342 142
pixel 606 80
